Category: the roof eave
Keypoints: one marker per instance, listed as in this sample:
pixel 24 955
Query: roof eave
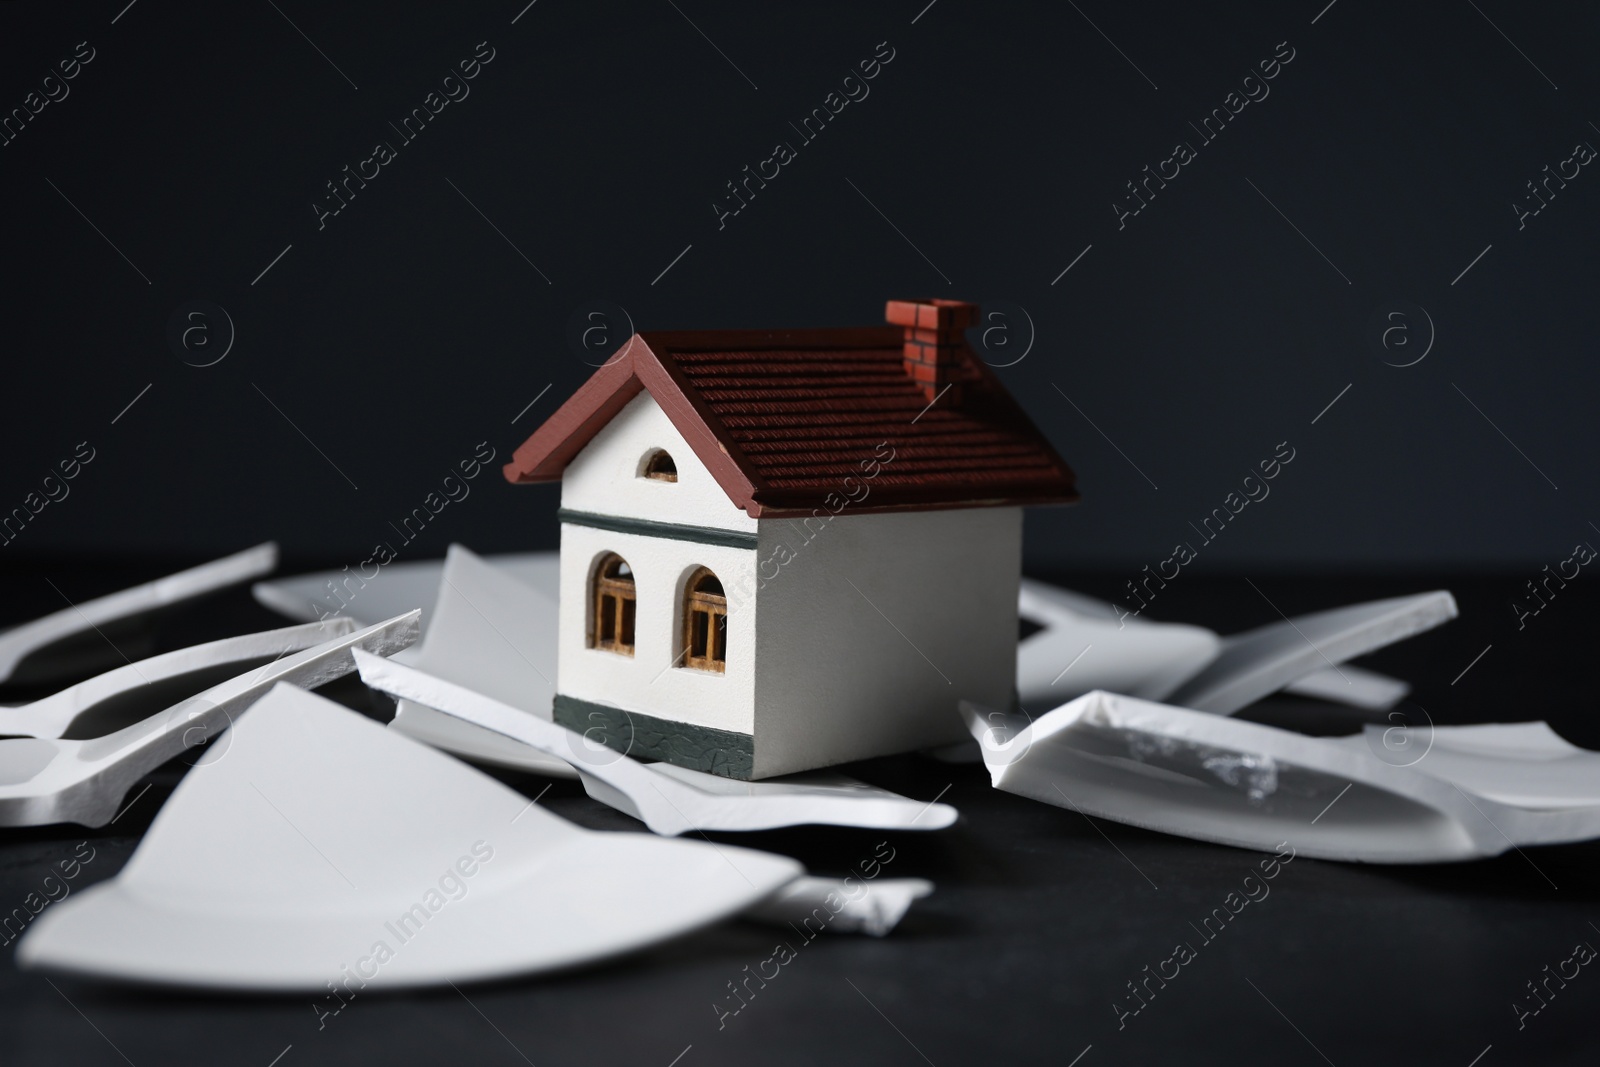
pixel 545 455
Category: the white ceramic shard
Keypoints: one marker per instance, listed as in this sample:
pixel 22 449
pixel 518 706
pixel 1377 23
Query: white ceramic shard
pixel 1355 686
pixel 1034 595
pixel 1258 662
pixel 1213 778
pixel 53 781
pixel 1524 765
pixel 669 800
pixel 497 636
pixel 396 587
pixel 55 714
pixel 325 852
pixel 836 906
pixel 32 638
pixel 1090 644
pixel 819 797
pixel 1083 647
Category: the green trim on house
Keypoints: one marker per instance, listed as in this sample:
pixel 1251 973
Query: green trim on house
pixel 700 748
pixel 704 535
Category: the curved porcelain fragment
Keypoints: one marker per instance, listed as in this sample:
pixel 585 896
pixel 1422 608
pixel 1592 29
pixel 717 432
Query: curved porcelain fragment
pixel 1213 778
pixel 1354 686
pixel 324 851
pixel 17 643
pixel 1259 662
pixel 1090 644
pixel 1525 765
pixel 54 715
pixel 62 780
pixel 669 800
pixel 1082 648
pixel 495 635
pixel 397 587
pixel 836 906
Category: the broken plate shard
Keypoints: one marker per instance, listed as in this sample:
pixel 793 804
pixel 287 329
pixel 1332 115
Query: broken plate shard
pixel 1082 647
pixel 397 587
pixel 53 781
pixel 57 715
pixel 1525 764
pixel 832 904
pixel 1354 686
pixel 1086 644
pixel 257 875
pixel 494 635
pixel 1212 778
pixel 669 800
pixel 26 650
pixel 1258 662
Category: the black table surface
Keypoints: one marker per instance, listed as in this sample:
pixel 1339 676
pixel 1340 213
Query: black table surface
pixel 1025 952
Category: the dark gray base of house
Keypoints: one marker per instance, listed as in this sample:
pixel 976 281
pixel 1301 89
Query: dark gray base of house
pixel 700 748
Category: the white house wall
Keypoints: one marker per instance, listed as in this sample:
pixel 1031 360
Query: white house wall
pixel 849 671
pixel 648 681
pixel 604 477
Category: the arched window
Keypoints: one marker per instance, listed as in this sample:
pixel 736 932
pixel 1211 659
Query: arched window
pixel 614 606
pixel 659 466
pixel 705 623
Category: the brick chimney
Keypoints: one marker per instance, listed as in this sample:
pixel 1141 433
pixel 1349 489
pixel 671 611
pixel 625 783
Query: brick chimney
pixel 935 350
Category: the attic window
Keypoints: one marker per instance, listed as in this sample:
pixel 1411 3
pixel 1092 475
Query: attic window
pixel 659 466
pixel 614 606
pixel 705 623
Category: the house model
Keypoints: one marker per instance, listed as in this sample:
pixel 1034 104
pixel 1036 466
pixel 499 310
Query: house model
pixel 786 549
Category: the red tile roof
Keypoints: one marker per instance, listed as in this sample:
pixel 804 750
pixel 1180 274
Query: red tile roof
pixel 783 418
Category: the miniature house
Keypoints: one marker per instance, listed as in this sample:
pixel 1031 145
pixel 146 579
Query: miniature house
pixel 782 550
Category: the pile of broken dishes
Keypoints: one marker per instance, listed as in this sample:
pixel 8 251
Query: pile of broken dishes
pixel 1396 794
pixel 311 847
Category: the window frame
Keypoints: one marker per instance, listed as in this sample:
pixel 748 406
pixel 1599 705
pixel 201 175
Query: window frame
pixel 648 468
pixel 713 608
pixel 613 607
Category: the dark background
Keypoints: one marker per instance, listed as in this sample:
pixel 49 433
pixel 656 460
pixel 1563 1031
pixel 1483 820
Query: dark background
pixel 380 350
pixel 1206 331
